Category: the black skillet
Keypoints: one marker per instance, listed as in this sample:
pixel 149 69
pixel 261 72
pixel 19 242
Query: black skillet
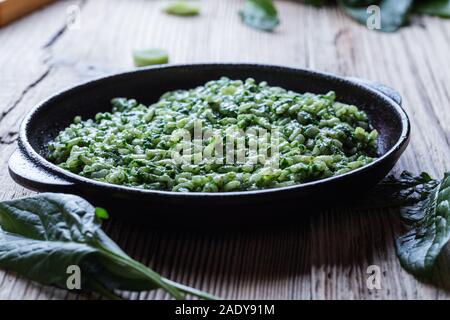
pixel 29 167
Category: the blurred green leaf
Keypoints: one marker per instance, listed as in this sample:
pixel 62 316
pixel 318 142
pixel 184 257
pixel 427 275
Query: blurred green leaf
pixel 394 13
pixel 260 14
pixel 439 8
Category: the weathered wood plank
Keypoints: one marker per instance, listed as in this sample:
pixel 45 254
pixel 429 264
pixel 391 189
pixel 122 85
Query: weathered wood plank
pixel 327 254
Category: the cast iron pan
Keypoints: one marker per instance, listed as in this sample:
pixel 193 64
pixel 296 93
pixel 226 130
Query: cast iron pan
pixel 29 167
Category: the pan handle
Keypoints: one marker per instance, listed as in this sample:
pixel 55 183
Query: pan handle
pixel 387 91
pixel 27 174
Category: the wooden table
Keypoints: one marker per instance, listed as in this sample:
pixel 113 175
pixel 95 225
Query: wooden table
pixel 326 255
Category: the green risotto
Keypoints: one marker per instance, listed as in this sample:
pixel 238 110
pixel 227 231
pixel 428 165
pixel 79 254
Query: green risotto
pixel 227 135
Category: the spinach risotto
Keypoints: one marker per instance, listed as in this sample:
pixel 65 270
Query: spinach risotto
pixel 227 135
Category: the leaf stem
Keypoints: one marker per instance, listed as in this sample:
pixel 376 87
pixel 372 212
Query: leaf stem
pixel 190 290
pixel 155 278
pixel 175 289
pixel 99 288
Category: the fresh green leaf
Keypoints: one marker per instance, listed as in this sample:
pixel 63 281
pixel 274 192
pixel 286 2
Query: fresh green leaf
pixel 433 7
pixel 42 236
pixel 150 57
pixel 394 13
pixel 47 233
pixel 182 8
pixel 428 232
pixel 260 14
pixel 407 189
pixel 424 208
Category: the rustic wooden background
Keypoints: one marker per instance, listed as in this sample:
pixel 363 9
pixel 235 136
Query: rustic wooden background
pixel 326 255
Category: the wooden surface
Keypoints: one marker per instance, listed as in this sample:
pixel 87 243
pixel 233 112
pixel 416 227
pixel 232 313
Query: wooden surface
pixel 11 10
pixel 327 254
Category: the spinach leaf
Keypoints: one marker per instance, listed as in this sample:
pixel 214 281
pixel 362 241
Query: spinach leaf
pixel 407 189
pixel 433 7
pixel 424 205
pixel 260 14
pixel 428 232
pixel 394 13
pixel 41 236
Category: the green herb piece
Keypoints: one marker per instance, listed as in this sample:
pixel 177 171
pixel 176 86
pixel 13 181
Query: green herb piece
pixel 41 236
pixel 260 14
pixel 428 223
pixel 101 213
pixel 394 13
pixel 182 8
pixel 150 57
pixel 433 7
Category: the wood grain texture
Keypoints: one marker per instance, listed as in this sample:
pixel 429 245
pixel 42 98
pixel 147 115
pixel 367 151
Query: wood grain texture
pixel 326 254
pixel 11 10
